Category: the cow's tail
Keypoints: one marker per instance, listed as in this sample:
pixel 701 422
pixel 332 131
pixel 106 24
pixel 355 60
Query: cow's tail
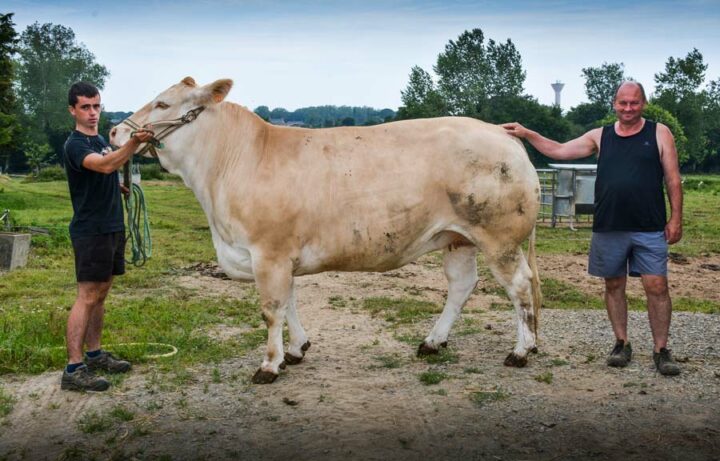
pixel 534 282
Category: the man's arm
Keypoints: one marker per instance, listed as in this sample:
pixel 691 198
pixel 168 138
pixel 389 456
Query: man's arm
pixel 673 182
pixel 583 146
pixel 112 161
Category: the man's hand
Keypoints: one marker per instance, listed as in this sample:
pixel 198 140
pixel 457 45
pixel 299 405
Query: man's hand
pixel 515 129
pixel 143 135
pixel 673 231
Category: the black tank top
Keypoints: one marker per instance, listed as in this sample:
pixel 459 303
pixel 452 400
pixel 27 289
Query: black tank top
pixel 629 185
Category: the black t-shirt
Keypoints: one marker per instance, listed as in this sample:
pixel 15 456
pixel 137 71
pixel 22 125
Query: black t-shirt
pixel 96 198
pixel 629 186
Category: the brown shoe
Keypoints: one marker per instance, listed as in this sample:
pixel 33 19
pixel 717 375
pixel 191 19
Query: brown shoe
pixel 620 355
pixel 82 379
pixel 107 362
pixel 665 363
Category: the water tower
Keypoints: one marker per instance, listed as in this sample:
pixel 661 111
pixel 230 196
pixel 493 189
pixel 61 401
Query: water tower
pixel 557 86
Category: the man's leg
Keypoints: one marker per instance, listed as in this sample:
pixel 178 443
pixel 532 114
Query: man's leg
pixel 95 322
pixel 616 305
pixel 659 308
pixel 85 320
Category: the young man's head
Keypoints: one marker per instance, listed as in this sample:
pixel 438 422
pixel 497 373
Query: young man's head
pixel 84 105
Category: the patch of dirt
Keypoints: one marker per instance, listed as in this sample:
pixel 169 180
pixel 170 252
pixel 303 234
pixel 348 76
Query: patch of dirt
pixel 688 277
pixel 358 394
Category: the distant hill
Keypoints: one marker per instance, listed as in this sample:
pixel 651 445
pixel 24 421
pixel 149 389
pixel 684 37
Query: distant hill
pixel 116 117
pixel 314 117
pixel 326 116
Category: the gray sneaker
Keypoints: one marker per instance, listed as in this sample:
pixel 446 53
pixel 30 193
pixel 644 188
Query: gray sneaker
pixel 620 355
pixel 107 362
pixel 82 379
pixel 665 363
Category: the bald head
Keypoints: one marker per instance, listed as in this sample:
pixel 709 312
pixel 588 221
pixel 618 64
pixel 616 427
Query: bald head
pixel 630 86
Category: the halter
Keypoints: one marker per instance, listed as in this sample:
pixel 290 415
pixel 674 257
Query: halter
pixel 170 126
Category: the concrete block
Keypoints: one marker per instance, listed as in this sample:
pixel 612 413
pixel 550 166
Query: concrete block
pixel 14 249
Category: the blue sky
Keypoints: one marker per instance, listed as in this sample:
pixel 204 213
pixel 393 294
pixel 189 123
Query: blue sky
pixel 301 53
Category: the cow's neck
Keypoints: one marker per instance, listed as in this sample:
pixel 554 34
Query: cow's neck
pixel 221 144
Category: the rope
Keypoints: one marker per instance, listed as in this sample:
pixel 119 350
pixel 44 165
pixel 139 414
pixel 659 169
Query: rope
pixel 138 225
pixel 173 350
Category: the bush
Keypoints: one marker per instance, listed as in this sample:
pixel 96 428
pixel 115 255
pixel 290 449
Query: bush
pixel 50 173
pixel 151 171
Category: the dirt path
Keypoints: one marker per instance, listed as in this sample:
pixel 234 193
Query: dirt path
pixel 358 394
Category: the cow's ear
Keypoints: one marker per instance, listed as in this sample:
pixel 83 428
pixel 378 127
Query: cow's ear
pixel 215 92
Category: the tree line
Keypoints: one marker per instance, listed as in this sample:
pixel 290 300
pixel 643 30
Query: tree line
pixel 473 76
pixel 481 78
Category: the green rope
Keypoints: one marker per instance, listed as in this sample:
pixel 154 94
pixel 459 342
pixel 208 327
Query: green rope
pixel 138 226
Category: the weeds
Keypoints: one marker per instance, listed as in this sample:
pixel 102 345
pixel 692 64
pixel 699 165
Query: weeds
pixel 429 378
pixel 481 398
pixel 546 377
pixel 7 402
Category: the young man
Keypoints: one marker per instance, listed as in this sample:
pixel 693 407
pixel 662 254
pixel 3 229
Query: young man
pixel 631 233
pixel 97 231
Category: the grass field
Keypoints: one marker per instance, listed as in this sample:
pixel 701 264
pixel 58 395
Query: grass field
pixel 147 306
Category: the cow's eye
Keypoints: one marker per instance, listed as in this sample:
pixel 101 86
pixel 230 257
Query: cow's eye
pixel 161 105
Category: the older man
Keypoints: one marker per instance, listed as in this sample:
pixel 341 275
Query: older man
pixel 631 232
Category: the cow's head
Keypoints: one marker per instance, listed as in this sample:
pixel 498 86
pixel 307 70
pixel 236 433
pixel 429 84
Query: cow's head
pixel 171 105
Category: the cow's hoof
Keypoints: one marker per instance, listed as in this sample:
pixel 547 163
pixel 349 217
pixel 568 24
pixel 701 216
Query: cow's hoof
pixel 534 350
pixel 264 377
pixel 516 361
pixel 291 359
pixel 424 350
pixel 305 346
pixel 282 365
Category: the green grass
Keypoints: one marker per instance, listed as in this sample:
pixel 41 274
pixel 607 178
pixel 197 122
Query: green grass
pixel 401 311
pixel 430 378
pixel 481 398
pixel 145 305
pixel 546 377
pixel 93 422
pixel 7 402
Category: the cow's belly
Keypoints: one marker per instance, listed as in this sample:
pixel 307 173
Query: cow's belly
pixel 235 261
pixel 372 258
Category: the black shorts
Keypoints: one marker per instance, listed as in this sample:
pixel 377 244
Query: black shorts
pixel 99 257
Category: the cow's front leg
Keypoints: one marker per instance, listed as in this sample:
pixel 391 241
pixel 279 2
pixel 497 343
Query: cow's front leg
pixel 275 285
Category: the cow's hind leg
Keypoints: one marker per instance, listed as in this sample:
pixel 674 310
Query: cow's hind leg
pixel 275 284
pixel 460 267
pixel 298 339
pixel 512 271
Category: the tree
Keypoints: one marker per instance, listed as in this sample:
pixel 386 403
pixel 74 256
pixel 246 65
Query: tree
pixel 601 82
pixel 711 115
pixel 50 61
pixel 421 98
pixel 678 90
pixel 9 126
pixel 682 77
pixel 263 112
pixel 36 155
pixel 586 115
pixel 470 72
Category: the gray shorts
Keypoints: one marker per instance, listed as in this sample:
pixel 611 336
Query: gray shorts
pixel 617 254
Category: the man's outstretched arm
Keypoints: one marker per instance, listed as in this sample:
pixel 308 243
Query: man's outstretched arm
pixel 584 146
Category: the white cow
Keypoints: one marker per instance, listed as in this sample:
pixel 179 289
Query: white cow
pixel 283 202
